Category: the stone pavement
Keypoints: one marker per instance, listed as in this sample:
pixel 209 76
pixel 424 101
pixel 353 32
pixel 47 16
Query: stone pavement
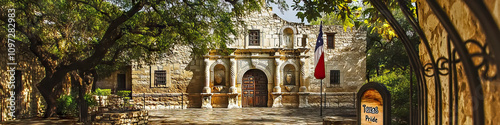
pixel 42 121
pixel 222 116
pixel 253 116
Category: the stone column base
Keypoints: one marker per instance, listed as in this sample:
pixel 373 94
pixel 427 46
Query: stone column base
pixel 233 101
pixel 277 99
pixel 303 102
pixel 206 100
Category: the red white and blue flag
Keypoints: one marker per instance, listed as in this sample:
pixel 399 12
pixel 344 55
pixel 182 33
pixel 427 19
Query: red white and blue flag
pixel 319 58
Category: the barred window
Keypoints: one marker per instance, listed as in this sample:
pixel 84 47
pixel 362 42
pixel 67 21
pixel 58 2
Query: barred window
pixel 160 78
pixel 330 40
pixel 254 38
pixel 334 77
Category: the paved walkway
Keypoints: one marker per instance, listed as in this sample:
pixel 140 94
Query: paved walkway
pixel 222 116
pixel 42 121
pixel 238 116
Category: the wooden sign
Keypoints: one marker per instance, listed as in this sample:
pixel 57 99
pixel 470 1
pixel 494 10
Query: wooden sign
pixel 373 107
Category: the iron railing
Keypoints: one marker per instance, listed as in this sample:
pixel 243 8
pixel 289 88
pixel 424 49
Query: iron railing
pixel 447 66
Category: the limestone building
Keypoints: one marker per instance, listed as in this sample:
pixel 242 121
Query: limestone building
pixel 271 66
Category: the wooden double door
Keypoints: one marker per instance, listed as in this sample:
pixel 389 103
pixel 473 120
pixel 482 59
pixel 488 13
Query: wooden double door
pixel 254 89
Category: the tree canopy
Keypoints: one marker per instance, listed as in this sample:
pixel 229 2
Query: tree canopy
pixel 350 13
pixel 103 35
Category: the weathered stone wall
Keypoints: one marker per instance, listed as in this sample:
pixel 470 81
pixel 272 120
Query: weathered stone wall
pixel 111 82
pixel 278 49
pixel 180 68
pixel 348 55
pixel 28 101
pixel 469 28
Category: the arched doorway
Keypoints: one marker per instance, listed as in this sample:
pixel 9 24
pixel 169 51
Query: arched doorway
pixel 254 89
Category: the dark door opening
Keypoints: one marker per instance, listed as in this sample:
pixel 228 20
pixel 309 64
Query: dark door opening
pixel 121 82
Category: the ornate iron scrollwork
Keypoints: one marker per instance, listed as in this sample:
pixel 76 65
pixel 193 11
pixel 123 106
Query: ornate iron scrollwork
pixel 477 66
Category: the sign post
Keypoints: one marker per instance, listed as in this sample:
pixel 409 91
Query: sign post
pixel 373 105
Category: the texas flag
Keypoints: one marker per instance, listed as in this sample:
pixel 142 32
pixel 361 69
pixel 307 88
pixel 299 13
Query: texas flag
pixel 319 58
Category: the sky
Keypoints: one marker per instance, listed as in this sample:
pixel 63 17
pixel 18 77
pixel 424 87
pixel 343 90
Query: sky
pixel 288 15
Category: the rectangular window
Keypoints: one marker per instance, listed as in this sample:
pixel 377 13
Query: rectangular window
pixel 330 40
pixel 334 77
pixel 253 38
pixel 160 78
pixel 304 40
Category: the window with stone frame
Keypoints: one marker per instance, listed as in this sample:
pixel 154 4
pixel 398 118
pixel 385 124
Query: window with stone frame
pixel 304 40
pixel 334 78
pixel 254 38
pixel 330 40
pixel 160 78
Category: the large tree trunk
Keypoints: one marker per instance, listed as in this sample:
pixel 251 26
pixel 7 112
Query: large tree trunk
pixel 50 99
pixel 82 81
pixel 46 88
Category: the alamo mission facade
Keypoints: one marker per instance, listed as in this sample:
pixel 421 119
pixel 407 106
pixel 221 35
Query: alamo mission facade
pixel 271 66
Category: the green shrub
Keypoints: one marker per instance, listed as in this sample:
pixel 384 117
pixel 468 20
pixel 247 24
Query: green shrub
pixel 90 101
pixel 123 93
pixel 398 84
pixel 102 92
pixel 66 106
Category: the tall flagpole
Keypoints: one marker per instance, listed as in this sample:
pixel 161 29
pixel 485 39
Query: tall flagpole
pixel 321 99
pixel 319 62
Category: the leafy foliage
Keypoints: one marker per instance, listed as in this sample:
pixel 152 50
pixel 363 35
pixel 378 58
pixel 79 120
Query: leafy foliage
pixel 67 106
pixel 103 36
pixel 350 13
pixel 90 100
pixel 123 93
pixel 398 83
pixel 102 92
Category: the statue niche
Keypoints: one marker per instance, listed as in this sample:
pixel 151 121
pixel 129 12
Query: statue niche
pixel 219 75
pixel 288 37
pixel 289 72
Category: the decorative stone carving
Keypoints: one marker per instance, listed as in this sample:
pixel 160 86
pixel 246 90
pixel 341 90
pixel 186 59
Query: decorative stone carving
pixel 233 101
pixel 289 88
pixel 277 83
pixel 277 100
pixel 288 78
pixel 219 75
pixel 233 88
pixel 303 87
pixel 289 74
pixel 243 64
pixel 206 100
pixel 207 89
pixel 255 62
pixel 303 102
pixel 264 63
pixel 219 88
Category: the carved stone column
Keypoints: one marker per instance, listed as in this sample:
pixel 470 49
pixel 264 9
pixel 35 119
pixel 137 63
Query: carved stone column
pixel 233 91
pixel 302 81
pixel 277 89
pixel 303 94
pixel 206 101
pixel 277 84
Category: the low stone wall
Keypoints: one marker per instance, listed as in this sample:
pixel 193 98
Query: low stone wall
pixel 121 118
pixel 156 101
pixel 337 120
